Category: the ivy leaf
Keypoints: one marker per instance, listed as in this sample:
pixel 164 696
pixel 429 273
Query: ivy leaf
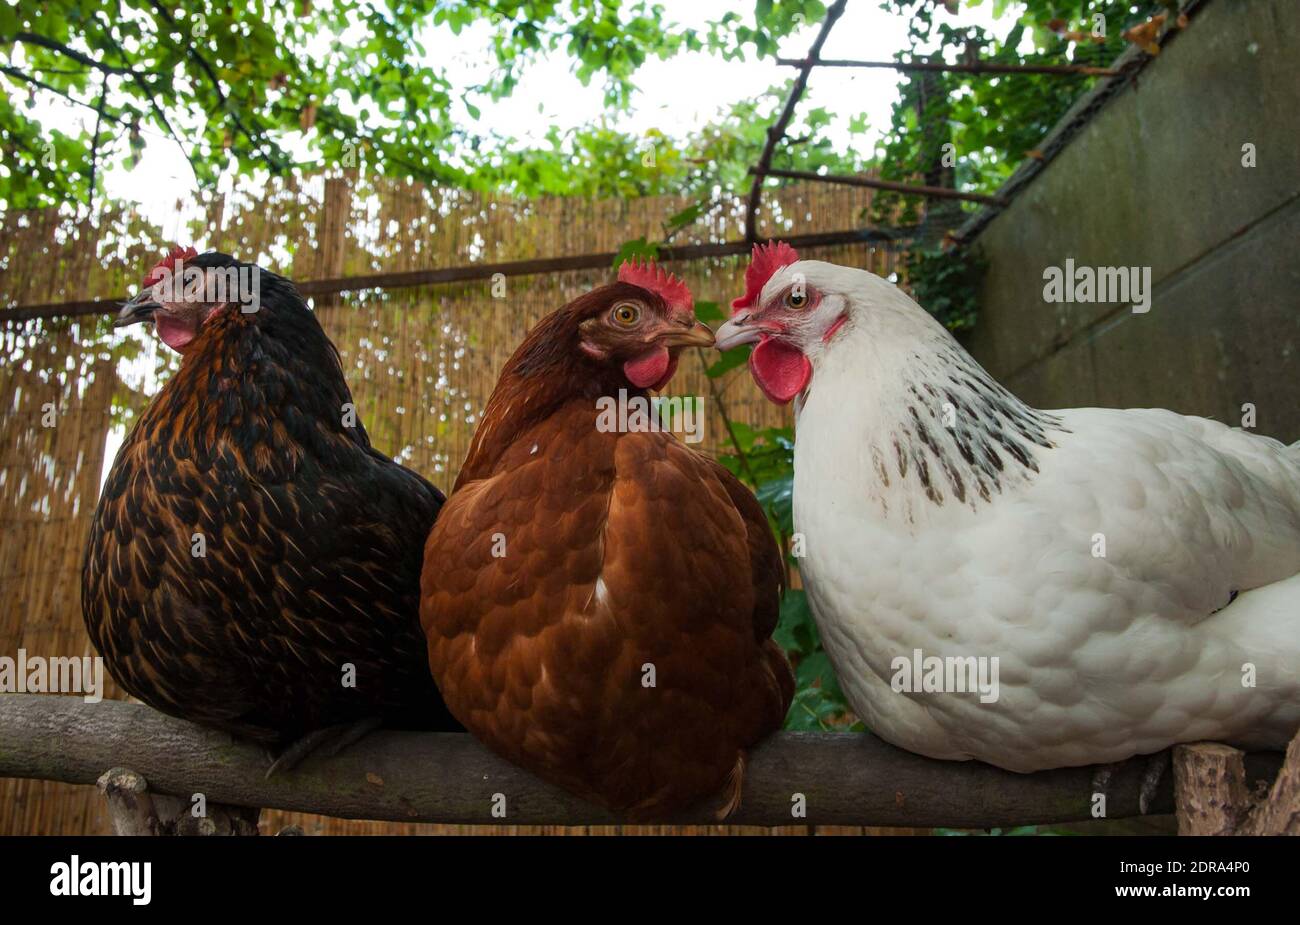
pixel 685 217
pixel 946 284
pixel 777 497
pixel 729 361
pixel 795 632
pixel 638 247
pixel 707 311
pixel 815 671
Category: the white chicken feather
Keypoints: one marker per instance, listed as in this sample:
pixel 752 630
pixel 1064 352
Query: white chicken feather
pixel 1134 572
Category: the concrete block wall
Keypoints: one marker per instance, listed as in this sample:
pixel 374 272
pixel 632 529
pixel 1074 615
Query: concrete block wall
pixel 1155 179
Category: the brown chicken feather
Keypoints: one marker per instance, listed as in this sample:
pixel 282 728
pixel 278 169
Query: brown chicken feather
pixel 570 560
pixel 313 540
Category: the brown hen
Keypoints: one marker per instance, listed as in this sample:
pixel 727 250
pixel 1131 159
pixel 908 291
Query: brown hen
pixel 597 604
pixel 253 564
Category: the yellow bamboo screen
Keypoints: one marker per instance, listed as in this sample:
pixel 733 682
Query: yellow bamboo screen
pixel 421 363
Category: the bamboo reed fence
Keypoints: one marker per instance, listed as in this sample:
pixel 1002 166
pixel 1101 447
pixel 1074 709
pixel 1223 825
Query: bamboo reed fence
pixel 421 363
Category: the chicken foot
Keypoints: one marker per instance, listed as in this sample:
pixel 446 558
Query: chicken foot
pixel 324 742
pixel 1152 773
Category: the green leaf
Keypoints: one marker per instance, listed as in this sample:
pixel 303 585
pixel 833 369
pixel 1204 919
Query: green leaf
pixel 815 671
pixel 795 632
pixel 380 89
pixel 637 247
pixel 730 359
pixel 708 311
pixel 777 497
pixel 686 216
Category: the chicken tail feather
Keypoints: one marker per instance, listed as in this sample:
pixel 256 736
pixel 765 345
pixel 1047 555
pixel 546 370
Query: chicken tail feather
pixel 734 787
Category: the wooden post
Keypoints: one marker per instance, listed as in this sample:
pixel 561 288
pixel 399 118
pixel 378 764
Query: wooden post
pixel 1213 798
pixel 129 804
pixel 335 218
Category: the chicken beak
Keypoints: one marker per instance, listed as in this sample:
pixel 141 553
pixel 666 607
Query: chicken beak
pixel 737 331
pixel 697 335
pixel 140 308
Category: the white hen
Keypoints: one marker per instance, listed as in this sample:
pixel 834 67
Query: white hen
pixel 1133 573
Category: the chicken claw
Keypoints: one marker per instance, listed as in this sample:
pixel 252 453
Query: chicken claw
pixel 1152 773
pixel 325 742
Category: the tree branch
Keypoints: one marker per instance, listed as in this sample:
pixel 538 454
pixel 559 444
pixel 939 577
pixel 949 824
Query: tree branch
pixel 31 38
pixel 273 156
pixel 94 144
pixel 27 78
pixel 138 79
pixel 932 192
pixel 777 131
pixel 846 779
pixel 973 67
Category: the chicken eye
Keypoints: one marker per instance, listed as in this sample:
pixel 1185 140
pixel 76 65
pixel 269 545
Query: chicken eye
pixel 796 298
pixel 626 314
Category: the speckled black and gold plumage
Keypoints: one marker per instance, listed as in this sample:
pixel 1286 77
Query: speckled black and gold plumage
pixel 313 541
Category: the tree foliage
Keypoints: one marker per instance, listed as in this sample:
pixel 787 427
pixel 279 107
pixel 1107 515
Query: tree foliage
pixel 272 86
pixel 600 161
pixel 992 122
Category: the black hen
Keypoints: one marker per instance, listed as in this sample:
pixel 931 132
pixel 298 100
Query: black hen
pixel 254 563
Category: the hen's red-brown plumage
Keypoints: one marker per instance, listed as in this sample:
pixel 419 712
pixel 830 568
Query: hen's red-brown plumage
pixel 569 560
pixel 312 540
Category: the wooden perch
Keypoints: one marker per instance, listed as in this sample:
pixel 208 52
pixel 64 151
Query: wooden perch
pixel 844 778
pixel 137 811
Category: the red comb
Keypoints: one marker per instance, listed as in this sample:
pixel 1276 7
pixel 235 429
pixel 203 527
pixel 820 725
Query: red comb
pixel 167 263
pixel 765 260
pixel 650 276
